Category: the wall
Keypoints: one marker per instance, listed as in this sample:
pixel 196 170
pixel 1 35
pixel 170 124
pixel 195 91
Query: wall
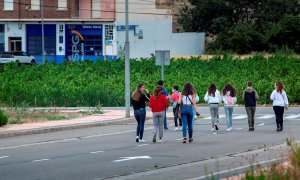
pixel 187 44
pixel 12 30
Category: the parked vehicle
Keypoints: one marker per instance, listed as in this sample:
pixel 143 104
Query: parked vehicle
pixel 17 56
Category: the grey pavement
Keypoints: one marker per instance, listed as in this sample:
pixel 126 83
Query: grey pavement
pixel 110 152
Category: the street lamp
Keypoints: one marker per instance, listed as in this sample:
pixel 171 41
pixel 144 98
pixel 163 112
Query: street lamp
pixel 127 63
pixel 43 38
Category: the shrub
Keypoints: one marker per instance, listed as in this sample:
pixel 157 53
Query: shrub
pixel 3 118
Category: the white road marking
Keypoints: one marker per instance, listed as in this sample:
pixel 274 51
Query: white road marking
pixel 266 117
pixel 292 116
pixel 143 145
pixel 96 152
pixel 179 139
pixel 40 160
pixel 239 128
pixel 2 157
pixel 261 124
pixel 132 158
pixel 240 117
pixel 221 116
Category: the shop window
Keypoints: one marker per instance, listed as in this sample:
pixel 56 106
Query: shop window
pixel 2 38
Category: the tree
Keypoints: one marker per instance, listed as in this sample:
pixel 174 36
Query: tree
pixel 245 25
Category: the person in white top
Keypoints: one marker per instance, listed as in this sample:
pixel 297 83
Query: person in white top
pixel 213 98
pixel 229 94
pixel 280 101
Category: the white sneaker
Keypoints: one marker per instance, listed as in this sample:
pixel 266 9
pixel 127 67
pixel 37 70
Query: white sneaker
pixel 142 140
pixel 160 141
pixel 228 130
pixel 180 128
pixel 212 129
pixel 176 129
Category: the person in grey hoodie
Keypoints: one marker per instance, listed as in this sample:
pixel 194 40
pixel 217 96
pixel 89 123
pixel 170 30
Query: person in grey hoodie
pixel 214 99
pixel 229 98
pixel 250 97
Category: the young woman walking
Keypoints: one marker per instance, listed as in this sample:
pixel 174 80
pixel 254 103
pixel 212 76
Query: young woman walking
pixel 214 99
pixel 164 92
pixel 280 101
pixel 250 97
pixel 158 104
pixel 229 98
pixel 138 101
pixel 174 99
pixel 188 102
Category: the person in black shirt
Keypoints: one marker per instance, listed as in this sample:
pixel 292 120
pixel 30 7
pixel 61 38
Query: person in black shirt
pixel 250 97
pixel 138 101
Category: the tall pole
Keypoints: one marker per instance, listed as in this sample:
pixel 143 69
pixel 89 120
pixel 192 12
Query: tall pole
pixel 43 38
pixel 127 63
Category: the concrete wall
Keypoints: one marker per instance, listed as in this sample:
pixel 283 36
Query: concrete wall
pixel 187 44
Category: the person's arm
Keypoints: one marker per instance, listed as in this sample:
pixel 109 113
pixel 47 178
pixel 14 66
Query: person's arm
pixel 234 100
pixel 286 100
pixel 206 97
pixel 197 99
pixel 256 96
pixel 272 97
pixel 195 105
pixel 243 96
pixel 179 99
pixel 218 94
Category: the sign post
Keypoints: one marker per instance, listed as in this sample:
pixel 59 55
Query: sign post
pixel 162 58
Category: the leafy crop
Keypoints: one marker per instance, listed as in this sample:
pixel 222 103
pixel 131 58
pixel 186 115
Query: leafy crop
pixel 88 84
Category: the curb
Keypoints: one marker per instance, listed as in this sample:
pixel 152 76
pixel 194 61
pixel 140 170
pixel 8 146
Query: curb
pixel 64 127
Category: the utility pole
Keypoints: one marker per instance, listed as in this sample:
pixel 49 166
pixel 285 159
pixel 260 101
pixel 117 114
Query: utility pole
pixel 127 63
pixel 43 33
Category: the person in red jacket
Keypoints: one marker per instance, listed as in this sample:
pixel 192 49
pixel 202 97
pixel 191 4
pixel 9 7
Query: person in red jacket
pixel 158 104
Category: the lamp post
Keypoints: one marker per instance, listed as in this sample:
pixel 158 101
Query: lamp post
pixel 127 63
pixel 43 38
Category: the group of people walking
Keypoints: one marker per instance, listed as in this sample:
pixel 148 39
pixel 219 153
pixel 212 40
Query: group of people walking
pixel 185 107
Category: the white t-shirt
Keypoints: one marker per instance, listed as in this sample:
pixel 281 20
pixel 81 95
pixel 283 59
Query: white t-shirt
pixel 187 100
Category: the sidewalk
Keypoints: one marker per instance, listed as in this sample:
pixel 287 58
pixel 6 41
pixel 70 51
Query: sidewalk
pixel 109 117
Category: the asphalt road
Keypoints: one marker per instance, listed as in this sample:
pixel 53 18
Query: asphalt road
pixel 111 151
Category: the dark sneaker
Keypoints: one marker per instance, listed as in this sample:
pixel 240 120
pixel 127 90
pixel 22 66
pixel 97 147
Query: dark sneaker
pixel 154 139
pixel 137 139
pixel 191 140
pixel 216 127
pixel 184 140
pixel 278 129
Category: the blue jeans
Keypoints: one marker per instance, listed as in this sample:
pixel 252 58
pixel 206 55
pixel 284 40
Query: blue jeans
pixel 194 113
pixel 140 117
pixel 187 120
pixel 165 120
pixel 228 113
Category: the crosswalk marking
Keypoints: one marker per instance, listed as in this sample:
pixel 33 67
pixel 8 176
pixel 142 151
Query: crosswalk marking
pixel 292 116
pixel 240 117
pixel 266 117
pixel 221 116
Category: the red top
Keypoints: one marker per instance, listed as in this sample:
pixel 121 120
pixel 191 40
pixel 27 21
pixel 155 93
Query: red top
pixel 158 104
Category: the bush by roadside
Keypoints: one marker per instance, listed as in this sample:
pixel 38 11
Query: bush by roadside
pixel 3 118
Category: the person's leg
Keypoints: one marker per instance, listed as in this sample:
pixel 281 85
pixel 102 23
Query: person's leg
pixel 161 123
pixel 184 122
pixel 281 118
pixel 175 116
pixel 253 116
pixel 249 114
pixel 155 123
pixel 275 108
pixel 227 116
pixel 230 116
pixel 193 118
pixel 165 121
pixel 212 115
pixel 190 123
pixel 137 118
pixel 142 122
pixel 180 122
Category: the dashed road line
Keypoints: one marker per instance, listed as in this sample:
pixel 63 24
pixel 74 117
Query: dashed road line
pixel 261 124
pixel 240 117
pixel 143 145
pixel 40 160
pixel 96 152
pixel 294 116
pixel 239 129
pixel 266 117
pixel 2 157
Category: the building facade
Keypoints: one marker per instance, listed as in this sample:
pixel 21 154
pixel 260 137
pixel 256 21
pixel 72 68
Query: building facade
pixel 73 29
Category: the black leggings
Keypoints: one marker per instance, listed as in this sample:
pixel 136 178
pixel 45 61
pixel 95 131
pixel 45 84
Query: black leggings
pixel 279 110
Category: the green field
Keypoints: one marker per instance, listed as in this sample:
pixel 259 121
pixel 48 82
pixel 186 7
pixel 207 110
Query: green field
pixel 89 84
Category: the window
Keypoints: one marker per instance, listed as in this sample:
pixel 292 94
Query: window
pixel 1 38
pixel 9 5
pixel 109 32
pixel 35 4
pixel 96 9
pixel 62 4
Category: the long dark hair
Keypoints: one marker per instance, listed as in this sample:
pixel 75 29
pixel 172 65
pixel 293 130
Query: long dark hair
pixel 280 86
pixel 229 87
pixel 136 95
pixel 188 89
pixel 157 91
pixel 212 89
